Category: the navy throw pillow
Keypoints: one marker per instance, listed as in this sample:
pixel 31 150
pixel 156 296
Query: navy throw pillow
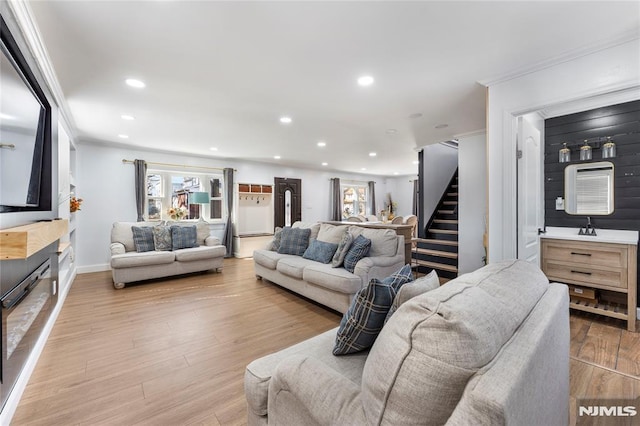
pixel 183 237
pixel 359 249
pixel 143 238
pixel 364 319
pixel 320 251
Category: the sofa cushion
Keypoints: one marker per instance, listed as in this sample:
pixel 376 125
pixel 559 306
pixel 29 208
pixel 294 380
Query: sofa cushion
pixel 267 258
pixel 293 266
pixel 294 241
pixel 331 233
pixel 336 279
pixel 121 233
pixel 359 249
pixel 384 242
pixel 365 317
pixel 341 250
pixel 313 226
pixel 424 356
pixel 142 238
pixel 133 259
pixel 183 237
pixel 320 251
pixel 200 253
pixel 259 372
pixel 415 288
pixel 162 238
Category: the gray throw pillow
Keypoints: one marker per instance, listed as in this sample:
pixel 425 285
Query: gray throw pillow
pixel 162 237
pixel 142 238
pixel 183 237
pixel 365 317
pixel 320 251
pixel 341 251
pixel 277 238
pixel 359 249
pixel 294 241
pixel 410 290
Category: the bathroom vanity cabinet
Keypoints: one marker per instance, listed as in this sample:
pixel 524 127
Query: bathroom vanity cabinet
pixel 604 262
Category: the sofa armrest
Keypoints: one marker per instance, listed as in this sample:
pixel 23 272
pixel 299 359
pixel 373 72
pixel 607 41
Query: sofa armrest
pixel 378 267
pixel 212 241
pixel 117 248
pixel 302 386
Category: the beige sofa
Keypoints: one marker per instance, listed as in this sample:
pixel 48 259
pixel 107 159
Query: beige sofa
pixel 332 287
pixel 127 265
pixel 488 348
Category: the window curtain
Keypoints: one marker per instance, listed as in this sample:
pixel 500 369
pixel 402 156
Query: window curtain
pixel 141 187
pixel 336 204
pixel 415 197
pixel 372 197
pixel 227 240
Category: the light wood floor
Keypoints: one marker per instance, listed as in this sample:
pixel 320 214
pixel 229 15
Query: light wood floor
pixel 174 352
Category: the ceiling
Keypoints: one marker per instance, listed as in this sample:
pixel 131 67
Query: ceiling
pixel 221 74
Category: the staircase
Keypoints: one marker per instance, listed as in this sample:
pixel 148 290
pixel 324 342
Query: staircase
pixel 439 250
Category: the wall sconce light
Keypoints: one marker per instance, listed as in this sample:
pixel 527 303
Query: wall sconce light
pixel 585 151
pixel 564 155
pixel 609 149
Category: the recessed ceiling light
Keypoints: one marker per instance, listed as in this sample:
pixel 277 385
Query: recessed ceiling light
pixel 213 148
pixel 416 162
pixel 365 80
pixel 396 173
pixel 363 169
pixel 322 144
pixel 135 83
pixel 415 115
pixel 442 126
pixel 372 154
pixel 285 120
pixel 391 131
pixel 123 136
pixel 277 157
pixel 127 117
pixel 325 164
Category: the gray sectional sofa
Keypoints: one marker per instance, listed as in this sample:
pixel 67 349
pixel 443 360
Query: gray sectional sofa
pixel 332 287
pixel 488 348
pixel 127 265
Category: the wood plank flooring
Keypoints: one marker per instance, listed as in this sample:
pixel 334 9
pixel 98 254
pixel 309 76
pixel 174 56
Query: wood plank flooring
pixel 174 351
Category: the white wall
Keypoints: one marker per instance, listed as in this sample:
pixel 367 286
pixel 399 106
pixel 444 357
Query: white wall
pixel 439 164
pixel 604 71
pixel 472 190
pixel 106 186
pixel 401 189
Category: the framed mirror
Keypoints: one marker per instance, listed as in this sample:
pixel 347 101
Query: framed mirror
pixel 588 188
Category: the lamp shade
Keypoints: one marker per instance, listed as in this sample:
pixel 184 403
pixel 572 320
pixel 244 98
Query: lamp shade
pixel 199 198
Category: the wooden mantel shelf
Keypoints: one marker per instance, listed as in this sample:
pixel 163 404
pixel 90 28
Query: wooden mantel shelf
pixel 23 241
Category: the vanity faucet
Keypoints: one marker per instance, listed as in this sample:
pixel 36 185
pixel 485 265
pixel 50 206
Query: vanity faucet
pixel 589 229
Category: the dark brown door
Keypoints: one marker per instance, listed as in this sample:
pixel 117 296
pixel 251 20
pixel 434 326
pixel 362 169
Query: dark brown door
pixel 288 201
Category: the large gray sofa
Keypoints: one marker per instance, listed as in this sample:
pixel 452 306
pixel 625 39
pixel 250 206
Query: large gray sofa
pixel 127 265
pixel 488 348
pixel 332 287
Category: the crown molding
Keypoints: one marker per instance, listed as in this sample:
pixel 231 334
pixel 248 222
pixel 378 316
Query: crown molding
pixel 26 23
pixel 562 58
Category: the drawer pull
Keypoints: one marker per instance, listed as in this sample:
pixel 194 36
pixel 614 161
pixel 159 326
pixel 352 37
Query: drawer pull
pixel 581 254
pixel 580 272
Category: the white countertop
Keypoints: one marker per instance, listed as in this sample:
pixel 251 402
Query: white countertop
pixel 604 235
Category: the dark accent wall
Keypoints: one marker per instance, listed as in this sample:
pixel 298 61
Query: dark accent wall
pixel 620 122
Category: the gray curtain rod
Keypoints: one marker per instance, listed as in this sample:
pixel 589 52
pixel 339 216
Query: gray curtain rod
pixel 125 161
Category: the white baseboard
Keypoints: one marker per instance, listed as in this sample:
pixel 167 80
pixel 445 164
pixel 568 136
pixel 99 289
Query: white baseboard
pixel 94 268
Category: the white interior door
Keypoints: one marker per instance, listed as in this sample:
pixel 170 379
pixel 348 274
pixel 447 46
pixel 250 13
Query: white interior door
pixel 530 191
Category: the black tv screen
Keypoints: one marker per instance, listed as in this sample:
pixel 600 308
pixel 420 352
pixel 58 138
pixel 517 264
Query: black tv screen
pixel 24 134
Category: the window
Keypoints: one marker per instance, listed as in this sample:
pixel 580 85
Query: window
pixel 355 199
pixel 168 196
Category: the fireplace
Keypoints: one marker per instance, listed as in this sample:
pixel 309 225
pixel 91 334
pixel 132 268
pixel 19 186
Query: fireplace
pixel 28 292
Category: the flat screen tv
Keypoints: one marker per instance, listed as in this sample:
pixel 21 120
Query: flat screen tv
pixel 25 134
